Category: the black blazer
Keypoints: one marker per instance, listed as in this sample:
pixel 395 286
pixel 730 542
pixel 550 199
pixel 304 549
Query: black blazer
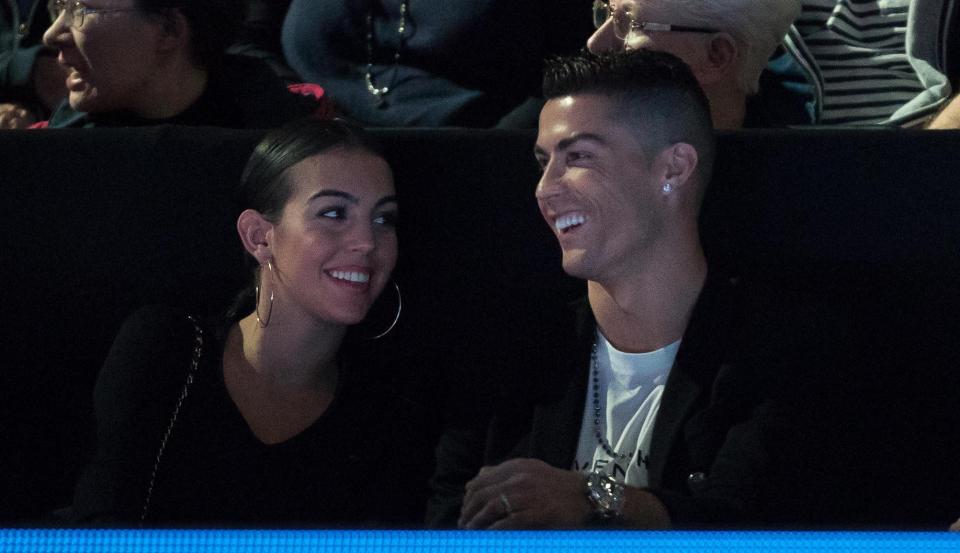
pixel 726 412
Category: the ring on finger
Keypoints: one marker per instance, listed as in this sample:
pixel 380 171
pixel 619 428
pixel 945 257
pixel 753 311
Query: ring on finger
pixel 508 510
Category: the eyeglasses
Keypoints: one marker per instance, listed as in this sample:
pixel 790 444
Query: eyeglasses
pixel 624 23
pixel 75 11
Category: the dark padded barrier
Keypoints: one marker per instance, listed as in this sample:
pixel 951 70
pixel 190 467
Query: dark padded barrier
pixel 98 222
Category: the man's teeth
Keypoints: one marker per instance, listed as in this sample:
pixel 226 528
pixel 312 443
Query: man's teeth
pixel 566 221
pixel 350 275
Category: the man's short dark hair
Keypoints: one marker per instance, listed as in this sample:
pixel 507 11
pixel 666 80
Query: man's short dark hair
pixel 655 93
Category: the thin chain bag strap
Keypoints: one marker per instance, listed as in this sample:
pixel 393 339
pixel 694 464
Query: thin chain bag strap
pixel 194 365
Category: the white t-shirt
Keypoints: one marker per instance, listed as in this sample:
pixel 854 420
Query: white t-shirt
pixel 630 386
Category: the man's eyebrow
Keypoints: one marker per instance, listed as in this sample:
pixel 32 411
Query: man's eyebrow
pixel 385 200
pixel 587 136
pixel 335 194
pixel 565 143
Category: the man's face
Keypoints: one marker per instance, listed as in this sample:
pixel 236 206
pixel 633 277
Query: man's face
pixel 111 59
pixel 600 191
pixel 688 46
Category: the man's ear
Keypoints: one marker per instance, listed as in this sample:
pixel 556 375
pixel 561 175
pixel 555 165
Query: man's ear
pixel 256 233
pixel 680 164
pixel 721 59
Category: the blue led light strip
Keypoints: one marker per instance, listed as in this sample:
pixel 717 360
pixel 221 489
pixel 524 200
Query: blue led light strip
pixel 296 541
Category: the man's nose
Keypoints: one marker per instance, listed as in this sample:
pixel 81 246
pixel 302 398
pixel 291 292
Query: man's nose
pixel 604 39
pixel 549 184
pixel 58 31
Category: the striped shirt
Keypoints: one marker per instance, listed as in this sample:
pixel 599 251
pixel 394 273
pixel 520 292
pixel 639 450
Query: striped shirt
pixel 859 46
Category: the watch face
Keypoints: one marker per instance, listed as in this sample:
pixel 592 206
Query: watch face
pixel 605 494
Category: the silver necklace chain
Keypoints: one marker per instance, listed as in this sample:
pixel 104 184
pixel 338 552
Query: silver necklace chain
pixel 194 364
pixel 598 412
pixel 379 92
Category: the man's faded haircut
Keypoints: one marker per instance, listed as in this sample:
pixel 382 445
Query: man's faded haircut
pixel 653 93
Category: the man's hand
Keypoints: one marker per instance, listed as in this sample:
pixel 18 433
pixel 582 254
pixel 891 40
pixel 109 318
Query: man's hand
pixel 955 527
pixel 16 116
pixel 525 493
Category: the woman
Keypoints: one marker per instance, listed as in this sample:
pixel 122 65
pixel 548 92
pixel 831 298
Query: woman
pixel 263 418
pixel 143 62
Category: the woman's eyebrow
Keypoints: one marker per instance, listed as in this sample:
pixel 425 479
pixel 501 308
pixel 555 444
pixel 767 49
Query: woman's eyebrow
pixel 336 194
pixel 350 197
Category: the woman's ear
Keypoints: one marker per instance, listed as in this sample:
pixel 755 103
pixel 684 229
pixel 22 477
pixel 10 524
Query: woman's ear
pixel 256 233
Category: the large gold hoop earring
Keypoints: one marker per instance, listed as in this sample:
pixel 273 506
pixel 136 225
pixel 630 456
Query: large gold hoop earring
pixel 263 322
pixel 395 317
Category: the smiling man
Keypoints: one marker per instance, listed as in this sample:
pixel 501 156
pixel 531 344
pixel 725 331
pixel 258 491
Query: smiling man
pixel 643 416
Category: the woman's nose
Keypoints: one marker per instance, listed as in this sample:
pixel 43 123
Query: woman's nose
pixel 361 239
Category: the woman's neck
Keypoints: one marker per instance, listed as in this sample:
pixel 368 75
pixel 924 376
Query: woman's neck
pixel 281 377
pixel 291 355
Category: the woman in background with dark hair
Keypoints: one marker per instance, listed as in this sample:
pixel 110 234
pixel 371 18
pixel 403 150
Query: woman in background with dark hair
pixel 143 62
pixel 263 417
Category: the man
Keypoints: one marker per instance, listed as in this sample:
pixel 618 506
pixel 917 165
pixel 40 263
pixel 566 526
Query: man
pixel 144 62
pixel 726 44
pixel 623 424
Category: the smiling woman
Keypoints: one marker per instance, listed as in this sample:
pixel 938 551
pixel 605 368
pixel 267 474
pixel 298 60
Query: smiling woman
pixel 131 62
pixel 264 416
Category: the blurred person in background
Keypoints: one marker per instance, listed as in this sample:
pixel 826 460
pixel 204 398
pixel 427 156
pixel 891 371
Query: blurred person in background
pixel 889 62
pixel 142 62
pixel 31 80
pixel 726 43
pixel 428 63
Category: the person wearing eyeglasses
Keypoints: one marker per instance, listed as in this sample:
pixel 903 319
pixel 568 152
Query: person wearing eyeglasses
pixel 31 81
pixel 142 62
pixel 726 44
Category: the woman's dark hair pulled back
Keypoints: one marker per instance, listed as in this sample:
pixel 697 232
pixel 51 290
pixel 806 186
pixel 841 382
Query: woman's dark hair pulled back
pixel 263 185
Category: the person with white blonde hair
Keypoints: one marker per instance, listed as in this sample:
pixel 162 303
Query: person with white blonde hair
pixel 726 43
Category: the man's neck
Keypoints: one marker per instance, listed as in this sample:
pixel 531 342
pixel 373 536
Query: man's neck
pixel 178 89
pixel 728 106
pixel 652 308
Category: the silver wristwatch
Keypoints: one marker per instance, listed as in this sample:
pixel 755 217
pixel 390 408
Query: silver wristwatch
pixel 605 495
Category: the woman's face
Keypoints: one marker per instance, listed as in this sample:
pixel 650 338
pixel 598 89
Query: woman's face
pixel 335 244
pixel 111 59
